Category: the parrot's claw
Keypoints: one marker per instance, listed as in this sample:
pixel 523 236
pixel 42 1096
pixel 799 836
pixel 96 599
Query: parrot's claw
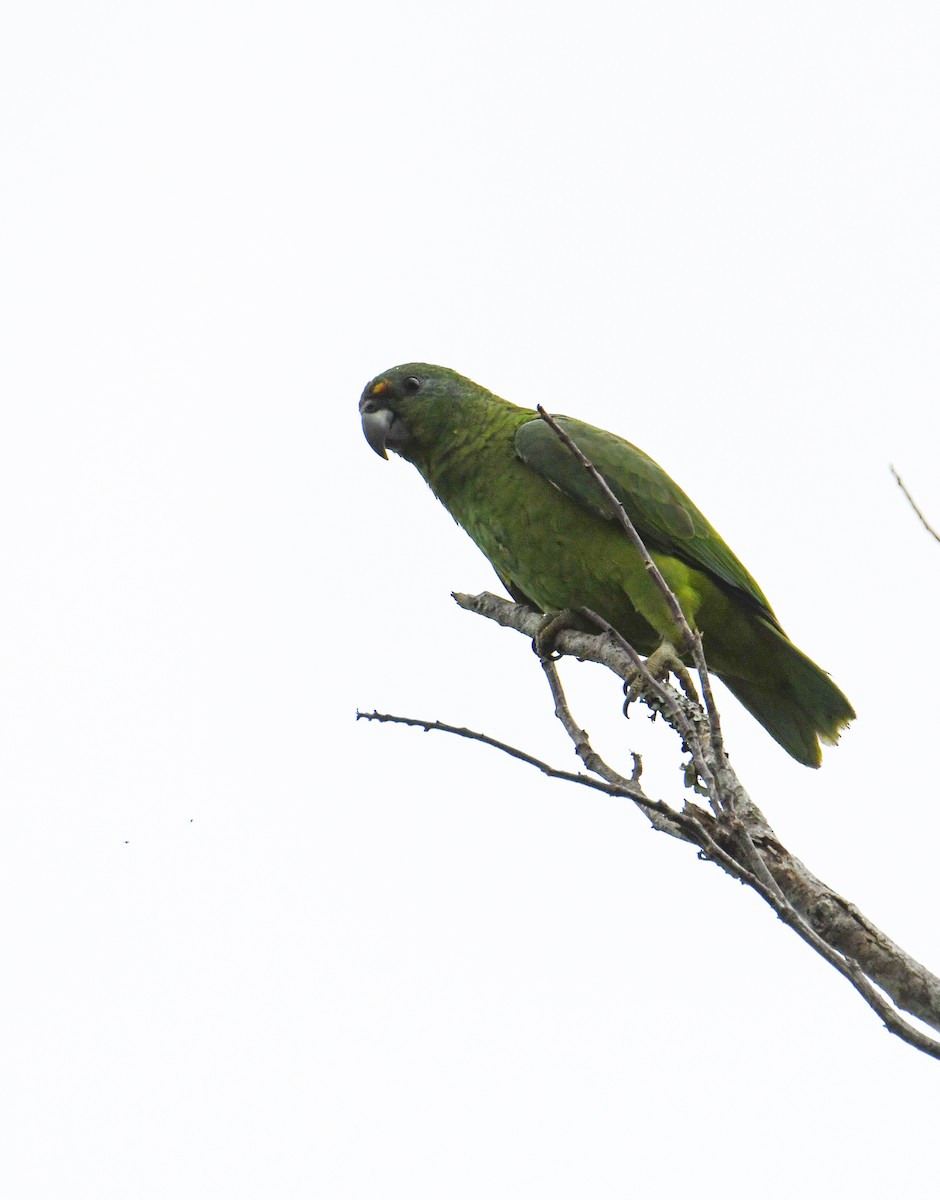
pixel 661 663
pixel 664 660
pixel 551 625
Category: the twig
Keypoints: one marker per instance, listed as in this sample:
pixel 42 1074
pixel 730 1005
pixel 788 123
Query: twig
pixel 587 647
pixel 670 701
pixel 662 816
pixel 692 643
pixel 622 787
pixel 675 608
pixel 910 499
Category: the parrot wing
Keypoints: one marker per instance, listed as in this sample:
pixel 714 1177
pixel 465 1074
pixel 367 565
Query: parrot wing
pixel 664 516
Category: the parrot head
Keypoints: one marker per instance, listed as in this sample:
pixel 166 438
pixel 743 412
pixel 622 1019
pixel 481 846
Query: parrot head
pixel 405 408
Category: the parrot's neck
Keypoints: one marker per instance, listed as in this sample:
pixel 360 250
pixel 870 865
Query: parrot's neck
pixel 463 460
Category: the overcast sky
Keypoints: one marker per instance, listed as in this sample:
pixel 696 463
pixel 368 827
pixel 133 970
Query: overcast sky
pixel 251 947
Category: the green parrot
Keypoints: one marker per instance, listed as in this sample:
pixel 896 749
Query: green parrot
pixel 555 542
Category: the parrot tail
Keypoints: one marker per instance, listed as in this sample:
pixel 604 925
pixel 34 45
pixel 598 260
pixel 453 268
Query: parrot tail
pixel 795 701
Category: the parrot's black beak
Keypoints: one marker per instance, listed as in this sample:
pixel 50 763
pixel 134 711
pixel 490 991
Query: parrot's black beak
pixel 376 422
pixel 383 429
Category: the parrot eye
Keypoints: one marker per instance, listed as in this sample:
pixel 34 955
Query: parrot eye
pixel 411 384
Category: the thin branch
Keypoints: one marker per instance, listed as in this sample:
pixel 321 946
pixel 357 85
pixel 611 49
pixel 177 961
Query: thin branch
pixel 910 499
pixel 692 643
pixel 669 699
pixel 622 788
pixel 662 816
pixel 675 608
pixel 711 708
pixel 587 647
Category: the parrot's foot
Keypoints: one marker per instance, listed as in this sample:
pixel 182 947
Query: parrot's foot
pixel 661 663
pixel 551 625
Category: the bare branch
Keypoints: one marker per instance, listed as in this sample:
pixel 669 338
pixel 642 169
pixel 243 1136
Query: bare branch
pixel 618 786
pixel 690 828
pixel 681 720
pixel 629 528
pixel 910 499
pixel 693 643
pixel 741 841
pixel 662 816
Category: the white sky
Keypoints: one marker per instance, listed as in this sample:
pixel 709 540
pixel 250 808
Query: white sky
pixel 252 948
